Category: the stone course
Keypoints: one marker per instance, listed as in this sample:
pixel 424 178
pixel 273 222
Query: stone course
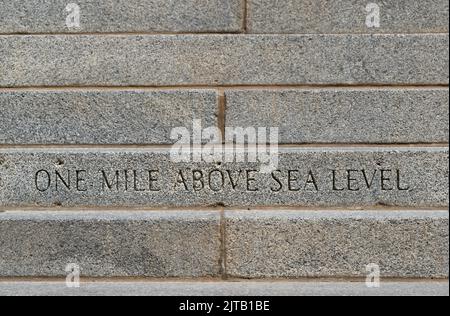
pixel 98 98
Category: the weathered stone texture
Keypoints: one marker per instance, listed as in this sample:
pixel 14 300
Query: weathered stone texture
pixel 110 244
pixel 347 16
pixel 173 60
pixel 102 117
pixel 293 244
pixel 107 16
pixel 353 115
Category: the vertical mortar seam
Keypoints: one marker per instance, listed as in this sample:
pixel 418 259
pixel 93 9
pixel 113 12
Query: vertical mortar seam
pixel 223 248
pixel 221 116
pixel 245 16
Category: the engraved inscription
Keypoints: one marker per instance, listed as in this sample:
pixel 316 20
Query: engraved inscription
pixel 357 180
pixel 130 180
pixel 220 180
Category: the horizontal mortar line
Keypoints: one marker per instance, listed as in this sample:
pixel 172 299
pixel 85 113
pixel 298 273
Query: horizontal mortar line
pixel 95 208
pixel 227 146
pixel 218 279
pixel 220 207
pixel 443 32
pixel 77 147
pixel 380 208
pixel 239 33
pixel 360 145
pixel 126 33
pixel 225 87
